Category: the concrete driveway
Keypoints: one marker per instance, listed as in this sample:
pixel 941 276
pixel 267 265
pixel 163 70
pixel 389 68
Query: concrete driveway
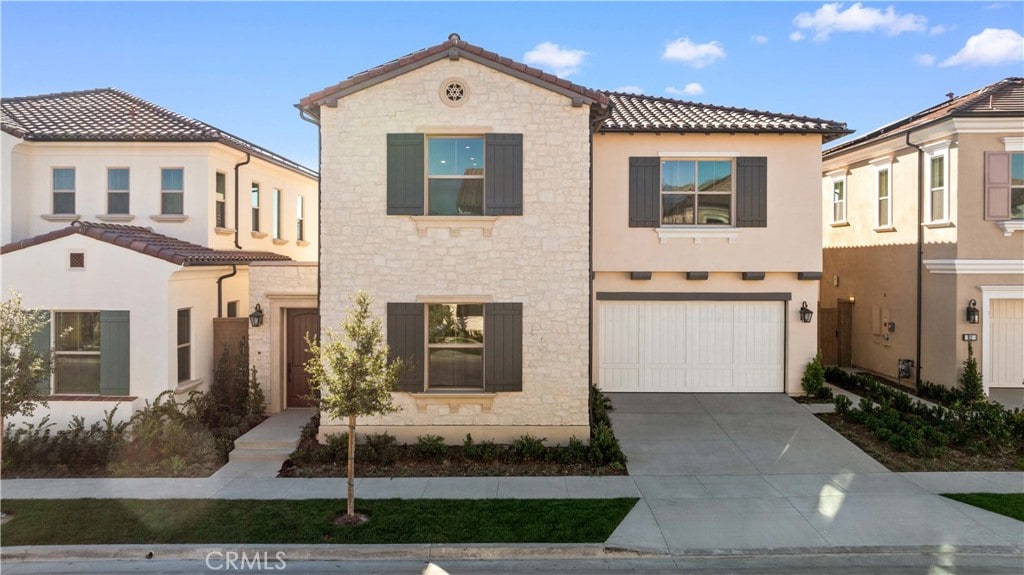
pixel 729 472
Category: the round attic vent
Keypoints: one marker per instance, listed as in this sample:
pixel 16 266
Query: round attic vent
pixel 454 92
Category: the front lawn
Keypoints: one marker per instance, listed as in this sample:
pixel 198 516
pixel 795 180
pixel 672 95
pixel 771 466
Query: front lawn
pixel 126 521
pixel 1008 504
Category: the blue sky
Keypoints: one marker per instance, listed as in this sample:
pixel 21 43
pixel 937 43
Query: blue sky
pixel 242 66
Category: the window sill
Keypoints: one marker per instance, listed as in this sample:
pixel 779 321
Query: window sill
pixel 224 231
pixel 455 224
pixel 279 242
pixel 187 386
pixel 697 234
pixel 178 218
pixel 60 217
pixel 840 224
pixel 115 217
pixel 454 400
pixel 301 243
pixel 1010 226
pixel 258 235
pixel 885 230
pixel 72 397
pixel 939 225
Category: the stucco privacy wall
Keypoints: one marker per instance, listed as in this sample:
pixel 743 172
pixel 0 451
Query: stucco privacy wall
pixel 276 286
pixel 539 259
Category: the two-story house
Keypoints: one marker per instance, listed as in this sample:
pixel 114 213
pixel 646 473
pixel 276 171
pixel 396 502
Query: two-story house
pixel 525 236
pixel 135 227
pixel 924 253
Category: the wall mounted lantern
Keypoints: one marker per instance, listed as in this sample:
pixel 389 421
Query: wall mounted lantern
pixel 805 313
pixel 256 317
pixel 973 315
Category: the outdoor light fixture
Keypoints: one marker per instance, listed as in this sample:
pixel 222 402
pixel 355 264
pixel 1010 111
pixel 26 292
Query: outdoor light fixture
pixel 805 313
pixel 973 315
pixel 256 317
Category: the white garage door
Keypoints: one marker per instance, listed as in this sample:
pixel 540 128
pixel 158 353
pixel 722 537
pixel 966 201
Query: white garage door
pixel 1007 341
pixel 692 346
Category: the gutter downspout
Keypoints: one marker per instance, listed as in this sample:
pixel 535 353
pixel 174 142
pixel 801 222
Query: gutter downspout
pixel 220 287
pixel 920 256
pixel 595 125
pixel 234 268
pixel 319 211
pixel 248 157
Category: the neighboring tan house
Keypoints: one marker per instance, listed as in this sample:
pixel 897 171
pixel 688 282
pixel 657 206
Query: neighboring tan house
pixel 107 157
pixel 924 220
pixel 130 313
pixel 499 214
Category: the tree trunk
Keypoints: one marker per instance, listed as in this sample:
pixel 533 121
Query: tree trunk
pixel 351 465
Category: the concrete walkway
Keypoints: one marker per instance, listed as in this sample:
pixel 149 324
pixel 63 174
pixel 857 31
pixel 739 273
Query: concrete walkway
pixel 261 451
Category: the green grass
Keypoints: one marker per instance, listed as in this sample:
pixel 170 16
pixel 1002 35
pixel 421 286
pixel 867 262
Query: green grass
pixel 1008 504
pixel 116 521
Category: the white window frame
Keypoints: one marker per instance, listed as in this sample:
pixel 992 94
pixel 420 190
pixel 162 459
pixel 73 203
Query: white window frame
pixel 179 346
pixel 834 178
pixel 932 151
pixel 220 199
pixel 275 213
pixel 126 192
pixel 300 218
pixel 73 192
pixel 883 165
pixel 164 192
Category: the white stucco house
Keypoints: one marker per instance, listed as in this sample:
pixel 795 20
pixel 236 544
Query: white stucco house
pixel 91 182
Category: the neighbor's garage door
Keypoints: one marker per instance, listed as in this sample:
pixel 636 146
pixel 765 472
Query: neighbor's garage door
pixel 692 346
pixel 1007 341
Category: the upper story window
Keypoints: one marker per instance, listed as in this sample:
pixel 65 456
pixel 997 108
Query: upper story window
pixel 221 200
pixel 172 191
pixel 696 192
pixel 63 190
pixel 455 177
pixel 936 205
pixel 300 231
pixel 1004 187
pixel 255 201
pixel 883 192
pixel 275 215
pixel 117 190
pixel 839 200
pixel 1017 186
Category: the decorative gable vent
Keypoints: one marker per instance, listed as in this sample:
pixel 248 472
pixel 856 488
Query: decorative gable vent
pixel 76 260
pixel 454 92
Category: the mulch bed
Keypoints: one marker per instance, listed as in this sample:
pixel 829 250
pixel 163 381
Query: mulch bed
pixel 952 460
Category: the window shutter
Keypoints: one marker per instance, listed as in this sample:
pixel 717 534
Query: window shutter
pixel 644 192
pixel 41 344
pixel 405 174
pixel 503 347
pixel 503 174
pixel 115 346
pixel 997 185
pixel 405 341
pixel 752 192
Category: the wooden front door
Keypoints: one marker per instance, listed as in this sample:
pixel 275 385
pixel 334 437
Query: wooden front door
pixel 300 323
pixel 828 335
pixel 845 329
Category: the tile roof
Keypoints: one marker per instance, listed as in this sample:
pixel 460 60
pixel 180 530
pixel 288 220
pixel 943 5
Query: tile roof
pixel 638 113
pixel 1004 98
pixel 146 241
pixel 451 48
pixel 110 115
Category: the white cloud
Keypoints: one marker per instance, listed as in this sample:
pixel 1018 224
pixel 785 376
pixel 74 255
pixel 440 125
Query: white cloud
pixel 696 55
pixel 760 39
pixel 691 89
pixel 991 47
pixel 831 18
pixel 939 29
pixel 556 59
pixel 796 36
pixel 924 59
pixel 629 89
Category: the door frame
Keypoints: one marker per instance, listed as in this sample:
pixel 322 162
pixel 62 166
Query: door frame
pixel 276 321
pixel 989 293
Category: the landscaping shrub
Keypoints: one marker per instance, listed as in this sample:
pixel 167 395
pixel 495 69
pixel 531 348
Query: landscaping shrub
pixel 528 448
pixel 378 449
pixel 485 450
pixel 813 380
pixel 430 447
pixel 970 378
pixel 842 404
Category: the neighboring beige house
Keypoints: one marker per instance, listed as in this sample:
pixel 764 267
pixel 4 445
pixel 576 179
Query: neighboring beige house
pixel 924 219
pixel 124 166
pixel 510 226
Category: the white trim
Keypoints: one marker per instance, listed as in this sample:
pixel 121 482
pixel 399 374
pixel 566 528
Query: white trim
pixel 454 299
pixel 974 266
pixel 989 293
pixel 883 162
pixel 940 146
pixel 883 165
pixel 1013 143
pixel 454 224
pixel 698 155
pixel 1010 226
pixel 697 233
pixel 60 217
pixel 839 176
pixel 838 172
pixel 115 217
pixel 932 151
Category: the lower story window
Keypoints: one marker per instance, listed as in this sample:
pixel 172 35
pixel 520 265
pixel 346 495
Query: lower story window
pixel 77 352
pixel 455 346
pixel 184 344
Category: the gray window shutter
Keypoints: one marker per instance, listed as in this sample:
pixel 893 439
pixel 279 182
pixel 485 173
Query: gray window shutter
pixel 997 185
pixel 644 192
pixel 405 341
pixel 405 174
pixel 752 192
pixel 115 345
pixel 41 344
pixel 503 347
pixel 503 174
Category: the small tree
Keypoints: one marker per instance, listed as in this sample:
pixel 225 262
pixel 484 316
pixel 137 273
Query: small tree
pixel 813 380
pixel 353 375
pixel 22 367
pixel 970 378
